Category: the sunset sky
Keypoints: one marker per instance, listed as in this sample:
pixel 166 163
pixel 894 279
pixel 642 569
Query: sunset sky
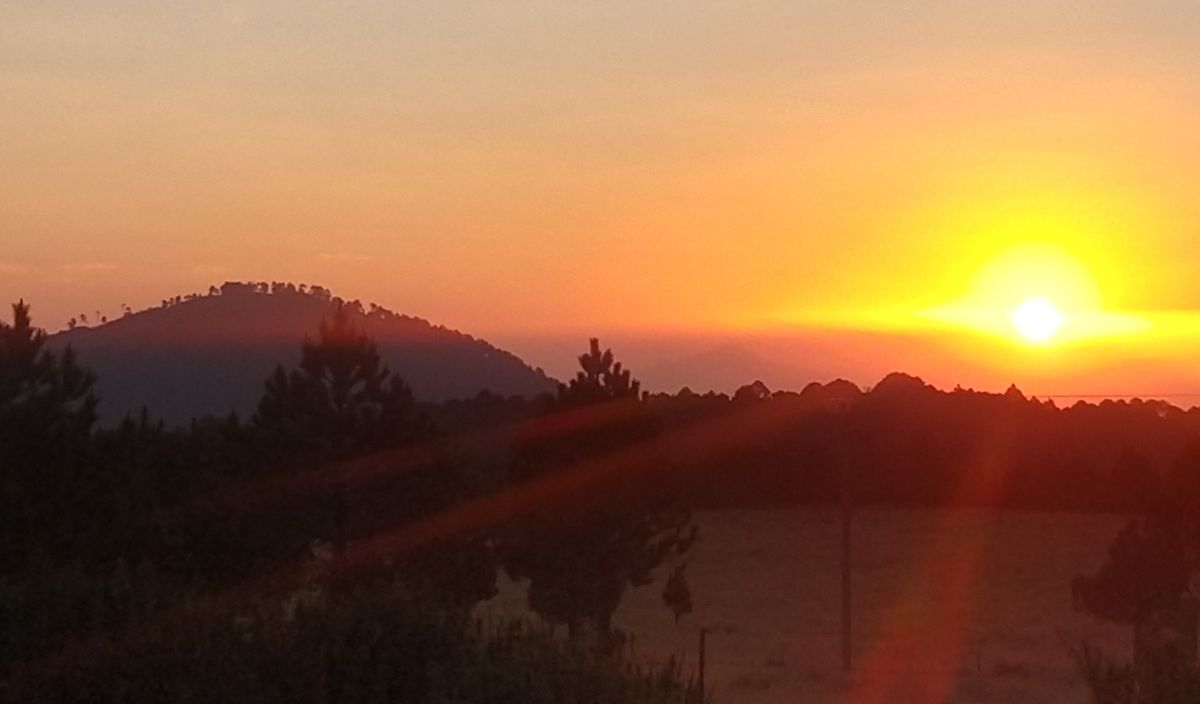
pixel 823 188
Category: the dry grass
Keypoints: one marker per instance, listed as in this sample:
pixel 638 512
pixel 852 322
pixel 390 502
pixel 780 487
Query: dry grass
pixel 961 605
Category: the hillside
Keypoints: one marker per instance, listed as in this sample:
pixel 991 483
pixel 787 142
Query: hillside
pixel 209 354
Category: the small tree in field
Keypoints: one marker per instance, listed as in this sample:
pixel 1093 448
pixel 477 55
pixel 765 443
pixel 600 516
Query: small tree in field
pixel 46 415
pixel 582 553
pixel 1146 583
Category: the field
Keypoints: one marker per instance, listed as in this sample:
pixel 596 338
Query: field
pixel 958 605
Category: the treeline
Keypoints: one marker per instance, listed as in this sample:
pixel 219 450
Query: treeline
pixel 904 442
pixel 907 442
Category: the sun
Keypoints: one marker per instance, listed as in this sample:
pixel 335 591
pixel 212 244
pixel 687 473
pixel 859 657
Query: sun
pixel 1037 320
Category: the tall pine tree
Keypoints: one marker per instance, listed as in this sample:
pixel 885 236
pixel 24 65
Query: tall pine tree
pixel 343 402
pixel 47 411
pixel 582 554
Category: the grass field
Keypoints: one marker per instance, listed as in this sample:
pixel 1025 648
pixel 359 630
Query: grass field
pixel 957 605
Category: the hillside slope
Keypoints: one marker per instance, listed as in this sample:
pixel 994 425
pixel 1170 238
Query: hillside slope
pixel 210 354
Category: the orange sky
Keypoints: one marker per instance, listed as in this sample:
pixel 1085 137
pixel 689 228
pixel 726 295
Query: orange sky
pixel 729 171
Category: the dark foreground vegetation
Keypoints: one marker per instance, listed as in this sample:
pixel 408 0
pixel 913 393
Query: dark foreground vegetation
pixel 328 549
pixel 331 546
pixel 368 645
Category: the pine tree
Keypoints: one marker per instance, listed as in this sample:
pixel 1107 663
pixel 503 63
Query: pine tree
pixel 581 556
pixel 343 402
pixel 1146 583
pixel 47 411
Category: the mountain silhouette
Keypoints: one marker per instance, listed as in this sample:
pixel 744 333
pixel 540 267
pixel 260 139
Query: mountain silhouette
pixel 210 354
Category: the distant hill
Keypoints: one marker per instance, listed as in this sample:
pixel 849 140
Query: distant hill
pixel 209 354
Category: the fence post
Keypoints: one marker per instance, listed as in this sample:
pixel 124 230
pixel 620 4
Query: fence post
pixel 847 511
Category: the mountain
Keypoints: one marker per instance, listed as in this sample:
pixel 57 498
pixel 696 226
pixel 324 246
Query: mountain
pixel 210 354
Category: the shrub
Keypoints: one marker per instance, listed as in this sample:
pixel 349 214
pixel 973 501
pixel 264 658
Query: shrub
pixel 359 647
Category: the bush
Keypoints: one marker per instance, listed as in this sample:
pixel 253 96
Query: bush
pixel 359 647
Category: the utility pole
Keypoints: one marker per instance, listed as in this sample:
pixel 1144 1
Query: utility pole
pixel 847 511
pixel 842 430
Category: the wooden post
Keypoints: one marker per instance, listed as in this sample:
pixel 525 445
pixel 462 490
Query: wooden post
pixel 703 658
pixel 843 453
pixel 847 511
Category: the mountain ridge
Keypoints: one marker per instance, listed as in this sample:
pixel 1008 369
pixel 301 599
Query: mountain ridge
pixel 209 354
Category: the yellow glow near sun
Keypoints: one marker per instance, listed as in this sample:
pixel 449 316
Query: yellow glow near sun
pixel 1037 320
pixel 1038 294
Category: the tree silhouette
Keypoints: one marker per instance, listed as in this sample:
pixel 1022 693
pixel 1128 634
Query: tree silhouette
pixel 342 401
pixel 581 554
pixel 756 391
pixel 46 415
pixel 1146 583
